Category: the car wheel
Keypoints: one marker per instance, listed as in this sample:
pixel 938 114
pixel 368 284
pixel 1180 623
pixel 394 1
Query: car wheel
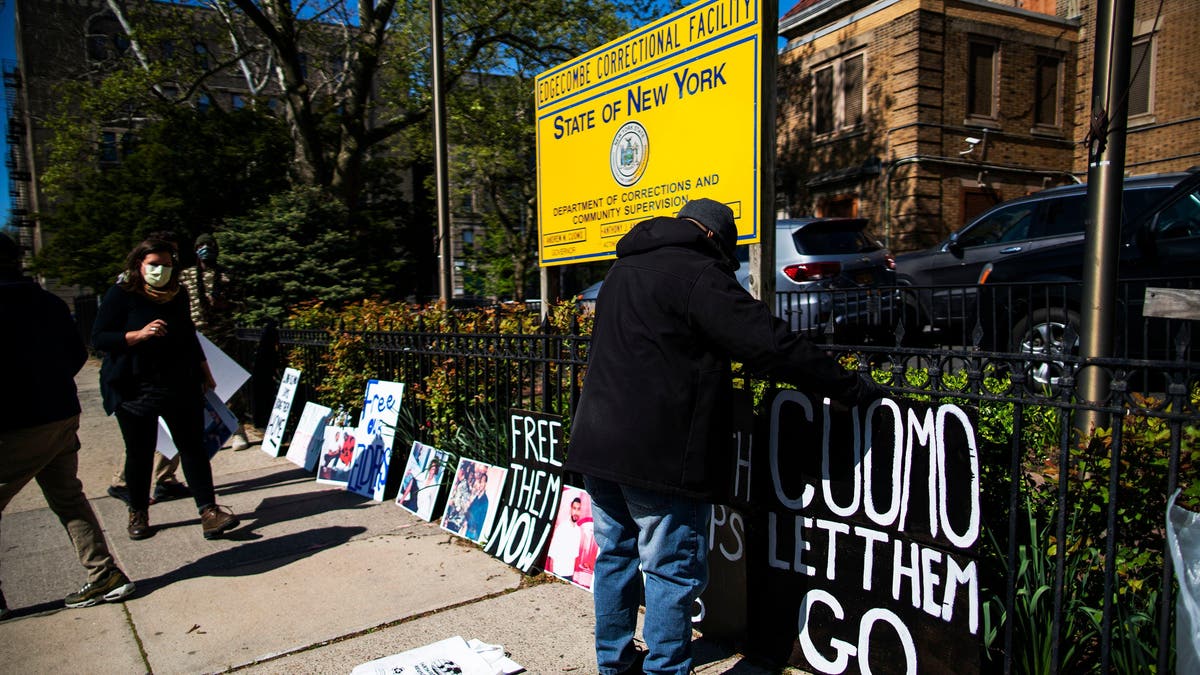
pixel 1047 332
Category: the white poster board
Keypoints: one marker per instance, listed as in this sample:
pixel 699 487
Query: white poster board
pixel 272 441
pixel 310 433
pixel 375 437
pixel 229 377
pixel 452 655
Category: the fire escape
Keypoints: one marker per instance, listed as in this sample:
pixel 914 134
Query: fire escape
pixel 19 175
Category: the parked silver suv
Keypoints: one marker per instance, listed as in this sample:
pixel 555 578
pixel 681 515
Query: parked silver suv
pixel 821 263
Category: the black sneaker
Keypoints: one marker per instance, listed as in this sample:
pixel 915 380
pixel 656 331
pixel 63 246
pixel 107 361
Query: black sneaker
pixel 168 490
pixel 4 611
pixel 115 586
pixel 119 492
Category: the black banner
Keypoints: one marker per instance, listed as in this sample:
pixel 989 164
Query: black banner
pixel 865 554
pixel 529 503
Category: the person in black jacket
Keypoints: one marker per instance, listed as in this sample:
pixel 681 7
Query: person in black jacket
pixel 154 367
pixel 652 431
pixel 39 420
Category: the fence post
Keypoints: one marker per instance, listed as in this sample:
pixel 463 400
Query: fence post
pixel 545 354
pixel 266 361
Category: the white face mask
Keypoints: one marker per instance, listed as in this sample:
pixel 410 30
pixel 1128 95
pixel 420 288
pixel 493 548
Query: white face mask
pixel 157 275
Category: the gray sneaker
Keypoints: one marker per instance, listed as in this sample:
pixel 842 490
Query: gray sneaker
pixel 115 586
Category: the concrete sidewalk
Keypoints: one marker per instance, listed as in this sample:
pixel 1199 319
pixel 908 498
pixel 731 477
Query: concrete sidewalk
pixel 315 580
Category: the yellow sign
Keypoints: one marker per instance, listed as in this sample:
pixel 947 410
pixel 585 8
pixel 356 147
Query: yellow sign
pixel 637 128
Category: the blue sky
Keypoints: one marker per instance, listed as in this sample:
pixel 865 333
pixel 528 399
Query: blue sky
pixel 8 52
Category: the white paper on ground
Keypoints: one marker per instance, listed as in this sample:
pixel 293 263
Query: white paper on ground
pixel 494 654
pixel 452 655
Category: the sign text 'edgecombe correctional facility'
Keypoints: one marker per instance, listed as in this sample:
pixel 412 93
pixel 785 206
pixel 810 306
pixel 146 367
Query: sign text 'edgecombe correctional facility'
pixel 640 126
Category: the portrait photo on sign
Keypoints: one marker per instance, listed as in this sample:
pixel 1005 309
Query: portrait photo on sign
pixel 422 480
pixel 337 456
pixel 572 554
pixel 474 499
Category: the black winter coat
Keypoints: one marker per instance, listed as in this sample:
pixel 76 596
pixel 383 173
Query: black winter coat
pixel 656 406
pixel 42 353
pixel 172 362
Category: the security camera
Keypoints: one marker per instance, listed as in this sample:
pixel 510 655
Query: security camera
pixel 972 140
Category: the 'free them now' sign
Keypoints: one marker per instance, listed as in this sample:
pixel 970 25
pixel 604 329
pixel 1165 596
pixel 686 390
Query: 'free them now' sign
pixel 642 125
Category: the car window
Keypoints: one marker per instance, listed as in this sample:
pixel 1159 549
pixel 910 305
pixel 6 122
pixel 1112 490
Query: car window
pixel 1181 219
pixel 1138 202
pixel 1063 216
pixel 1005 224
pixel 840 240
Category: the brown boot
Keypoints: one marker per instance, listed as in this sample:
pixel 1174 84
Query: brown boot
pixel 139 525
pixel 217 519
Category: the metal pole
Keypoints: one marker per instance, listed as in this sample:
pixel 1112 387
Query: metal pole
pixel 441 171
pixel 1106 168
pixel 762 257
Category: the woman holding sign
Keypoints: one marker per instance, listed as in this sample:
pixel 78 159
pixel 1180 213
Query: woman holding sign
pixel 154 367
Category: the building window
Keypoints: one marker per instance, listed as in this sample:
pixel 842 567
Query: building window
pixel 200 50
pixel 105 38
pixel 838 95
pixel 975 201
pixel 468 239
pixel 237 101
pixel 203 102
pixel 981 79
pixel 838 206
pixel 1047 91
pixel 1141 76
pixel 109 153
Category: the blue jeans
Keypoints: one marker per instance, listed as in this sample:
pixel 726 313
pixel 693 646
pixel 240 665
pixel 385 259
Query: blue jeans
pixel 668 536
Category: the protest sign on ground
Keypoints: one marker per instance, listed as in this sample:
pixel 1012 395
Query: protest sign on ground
pixel 422 481
pixel 337 456
pixel 305 447
pixel 572 553
pixel 474 499
pixel 532 490
pixel 272 442
pixel 376 434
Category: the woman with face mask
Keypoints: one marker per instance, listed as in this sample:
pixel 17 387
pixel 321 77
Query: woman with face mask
pixel 154 367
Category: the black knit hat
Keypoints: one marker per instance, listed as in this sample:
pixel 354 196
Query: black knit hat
pixel 717 217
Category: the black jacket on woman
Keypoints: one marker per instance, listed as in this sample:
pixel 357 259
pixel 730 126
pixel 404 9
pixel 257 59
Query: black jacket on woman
pixel 170 363
pixel 656 406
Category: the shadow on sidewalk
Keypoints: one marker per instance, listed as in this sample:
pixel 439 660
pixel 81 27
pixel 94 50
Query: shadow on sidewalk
pixel 280 508
pixel 254 557
pixel 243 560
pixel 290 476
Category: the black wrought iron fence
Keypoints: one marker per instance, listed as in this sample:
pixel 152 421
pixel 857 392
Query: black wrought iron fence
pixel 1076 532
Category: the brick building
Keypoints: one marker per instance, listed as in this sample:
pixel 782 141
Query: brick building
pixel 919 114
